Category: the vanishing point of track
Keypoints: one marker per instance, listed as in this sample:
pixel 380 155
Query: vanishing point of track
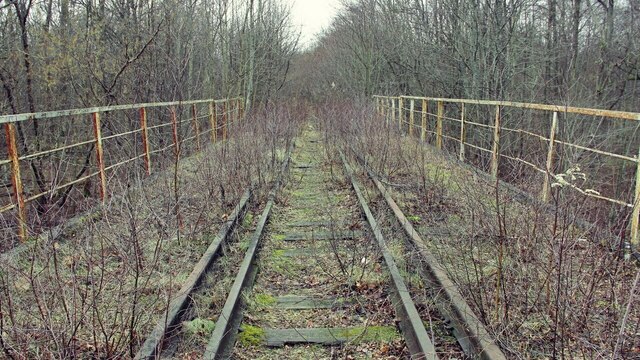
pixel 318 279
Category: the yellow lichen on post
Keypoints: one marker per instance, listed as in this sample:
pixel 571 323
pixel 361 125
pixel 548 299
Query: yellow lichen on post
pixel 411 118
pixel 145 139
pixel 546 187
pixel 400 113
pixel 495 152
pixel 463 133
pixel 196 127
pixel 439 125
pixel 635 219
pixel 225 119
pixel 174 128
pixel 213 119
pixel 423 130
pixel 387 110
pixel 393 111
pixel 16 180
pixel 97 132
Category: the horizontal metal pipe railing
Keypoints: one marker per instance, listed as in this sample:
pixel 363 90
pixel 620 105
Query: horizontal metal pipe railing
pixel 395 109
pixel 232 110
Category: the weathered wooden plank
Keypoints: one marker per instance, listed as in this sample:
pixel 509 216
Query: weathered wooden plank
pixel 324 235
pixel 329 336
pixel 296 302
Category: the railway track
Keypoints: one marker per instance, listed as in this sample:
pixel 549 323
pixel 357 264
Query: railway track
pixel 315 277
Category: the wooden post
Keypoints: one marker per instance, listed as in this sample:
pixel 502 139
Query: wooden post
pixel 241 109
pixel 174 127
pixel 196 128
pixel 635 220
pixel 400 113
pixel 145 139
pixel 225 118
pixel 423 131
pixel 495 153
pixel 439 125
pixel 213 120
pixel 16 181
pixel 393 110
pixel 411 118
pixel 546 187
pixel 463 134
pixel 97 133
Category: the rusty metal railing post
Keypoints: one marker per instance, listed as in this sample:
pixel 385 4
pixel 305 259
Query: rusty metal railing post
pixel 393 111
pixel 463 133
pixel 635 219
pixel 196 127
pixel 225 119
pixel 97 133
pixel 400 113
pixel 387 110
pixel 145 139
pixel 546 187
pixel 423 131
pixel 213 121
pixel 16 180
pixel 495 152
pixel 174 128
pixel 411 117
pixel 439 125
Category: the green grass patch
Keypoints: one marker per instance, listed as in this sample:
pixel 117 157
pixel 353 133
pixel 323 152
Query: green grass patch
pixel 264 300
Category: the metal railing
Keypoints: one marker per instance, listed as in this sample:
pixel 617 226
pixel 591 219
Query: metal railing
pixel 217 116
pixel 404 109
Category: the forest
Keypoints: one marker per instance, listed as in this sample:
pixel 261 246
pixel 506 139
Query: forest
pixel 132 128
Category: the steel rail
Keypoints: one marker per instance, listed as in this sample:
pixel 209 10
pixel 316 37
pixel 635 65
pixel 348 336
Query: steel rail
pixel 153 344
pixel 411 325
pixel 468 329
pixel 223 337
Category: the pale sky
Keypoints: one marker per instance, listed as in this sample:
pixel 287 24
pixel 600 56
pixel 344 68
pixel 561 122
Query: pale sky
pixel 311 16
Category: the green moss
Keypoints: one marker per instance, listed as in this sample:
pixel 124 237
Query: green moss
pixel 370 334
pixel 264 300
pixel 198 326
pixel 248 219
pixel 251 335
pixel 278 237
